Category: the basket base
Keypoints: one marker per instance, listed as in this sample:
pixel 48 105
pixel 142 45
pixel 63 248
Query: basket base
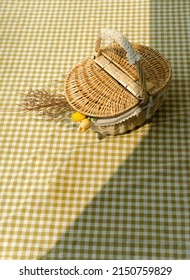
pixel 121 128
pixel 102 136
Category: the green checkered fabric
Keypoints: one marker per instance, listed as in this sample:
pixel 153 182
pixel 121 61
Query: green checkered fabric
pixel 66 194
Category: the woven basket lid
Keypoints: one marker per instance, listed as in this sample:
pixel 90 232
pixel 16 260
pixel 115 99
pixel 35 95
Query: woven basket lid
pixel 108 85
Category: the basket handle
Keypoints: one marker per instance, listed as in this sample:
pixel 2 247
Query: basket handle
pixel 132 56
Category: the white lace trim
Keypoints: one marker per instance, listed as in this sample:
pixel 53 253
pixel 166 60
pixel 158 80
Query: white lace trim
pixel 111 35
pixel 119 119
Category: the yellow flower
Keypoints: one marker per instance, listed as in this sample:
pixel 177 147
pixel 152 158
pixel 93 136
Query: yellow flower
pixel 84 125
pixel 78 117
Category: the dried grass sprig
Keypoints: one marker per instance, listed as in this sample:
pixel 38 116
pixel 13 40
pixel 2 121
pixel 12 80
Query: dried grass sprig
pixel 46 105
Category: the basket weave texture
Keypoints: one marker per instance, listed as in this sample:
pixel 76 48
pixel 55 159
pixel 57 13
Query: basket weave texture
pixel 113 90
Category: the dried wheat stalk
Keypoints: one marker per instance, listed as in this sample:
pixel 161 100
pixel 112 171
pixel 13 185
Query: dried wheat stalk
pixel 46 105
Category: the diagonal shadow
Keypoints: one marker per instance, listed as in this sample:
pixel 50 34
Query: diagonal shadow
pixel 142 212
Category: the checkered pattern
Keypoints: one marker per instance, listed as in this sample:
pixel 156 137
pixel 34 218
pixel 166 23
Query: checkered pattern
pixel 66 195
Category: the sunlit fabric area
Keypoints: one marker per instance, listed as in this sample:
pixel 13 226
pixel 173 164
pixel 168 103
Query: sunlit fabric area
pixel 67 194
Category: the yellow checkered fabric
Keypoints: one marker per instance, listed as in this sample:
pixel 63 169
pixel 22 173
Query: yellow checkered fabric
pixel 67 195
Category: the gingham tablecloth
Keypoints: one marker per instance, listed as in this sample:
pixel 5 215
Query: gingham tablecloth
pixel 67 195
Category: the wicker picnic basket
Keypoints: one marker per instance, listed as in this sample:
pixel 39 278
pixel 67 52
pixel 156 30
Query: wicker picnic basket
pixel 121 87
